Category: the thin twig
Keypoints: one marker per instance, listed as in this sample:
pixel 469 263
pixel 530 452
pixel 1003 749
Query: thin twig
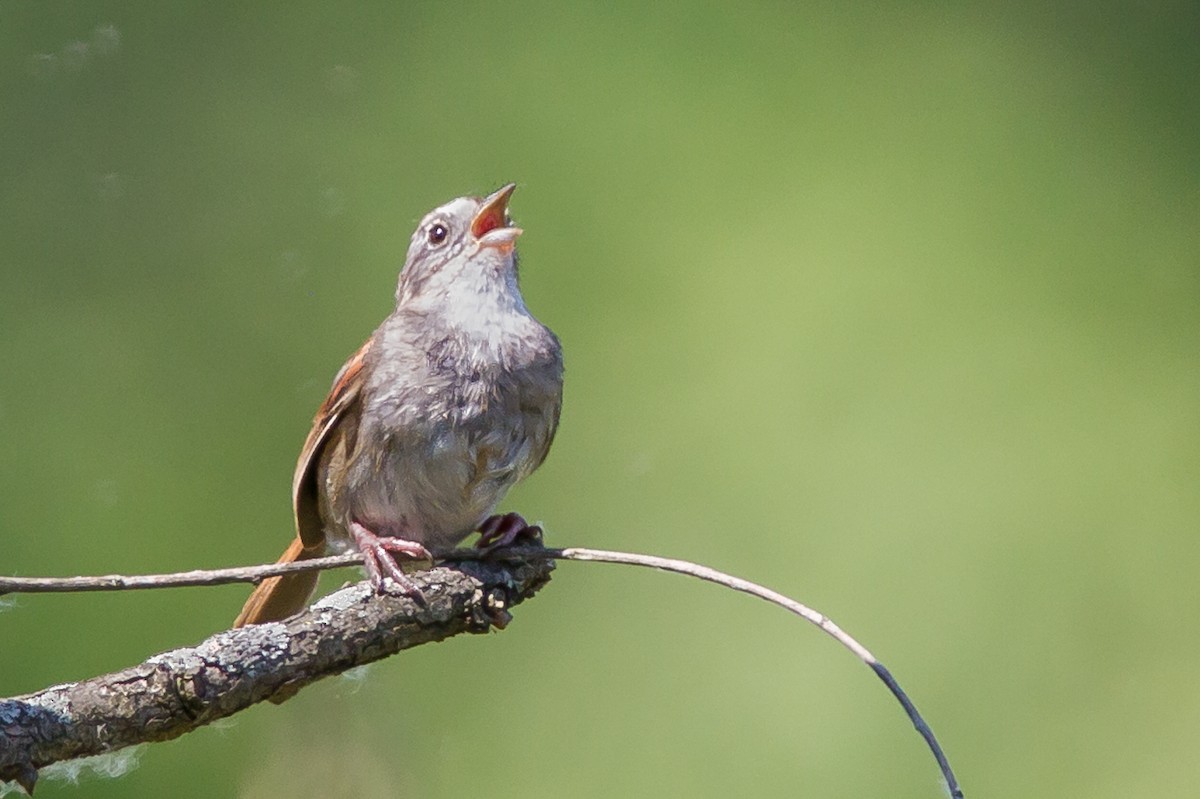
pixel 255 574
pixel 754 589
pixel 136 582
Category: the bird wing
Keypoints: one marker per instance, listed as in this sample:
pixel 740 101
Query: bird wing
pixel 343 396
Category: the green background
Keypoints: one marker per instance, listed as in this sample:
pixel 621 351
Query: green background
pixel 892 307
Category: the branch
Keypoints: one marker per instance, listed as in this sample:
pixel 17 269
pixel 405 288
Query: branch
pixel 177 691
pixel 253 669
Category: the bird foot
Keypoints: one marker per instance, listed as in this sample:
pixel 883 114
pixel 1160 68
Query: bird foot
pixel 504 530
pixel 379 556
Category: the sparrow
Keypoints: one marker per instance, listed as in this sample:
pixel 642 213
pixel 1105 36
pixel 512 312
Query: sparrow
pixel 452 401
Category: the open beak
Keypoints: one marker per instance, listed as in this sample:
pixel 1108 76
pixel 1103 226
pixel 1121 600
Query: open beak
pixel 491 226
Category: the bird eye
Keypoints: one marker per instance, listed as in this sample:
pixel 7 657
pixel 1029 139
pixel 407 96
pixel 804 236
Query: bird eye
pixel 437 233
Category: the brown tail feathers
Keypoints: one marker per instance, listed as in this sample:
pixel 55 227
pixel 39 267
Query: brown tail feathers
pixel 277 598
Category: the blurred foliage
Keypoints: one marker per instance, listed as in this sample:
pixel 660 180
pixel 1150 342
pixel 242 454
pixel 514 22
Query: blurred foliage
pixel 892 307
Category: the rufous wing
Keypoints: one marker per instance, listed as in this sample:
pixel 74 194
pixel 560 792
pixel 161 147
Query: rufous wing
pixel 279 597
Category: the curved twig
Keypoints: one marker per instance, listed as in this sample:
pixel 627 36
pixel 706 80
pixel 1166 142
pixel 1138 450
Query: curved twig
pixel 774 597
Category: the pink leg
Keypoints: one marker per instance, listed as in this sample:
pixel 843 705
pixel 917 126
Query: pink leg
pixel 378 557
pixel 505 530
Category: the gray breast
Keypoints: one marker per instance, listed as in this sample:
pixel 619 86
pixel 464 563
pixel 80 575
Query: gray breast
pixel 447 429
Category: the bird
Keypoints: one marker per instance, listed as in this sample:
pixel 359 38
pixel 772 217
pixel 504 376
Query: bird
pixel 452 400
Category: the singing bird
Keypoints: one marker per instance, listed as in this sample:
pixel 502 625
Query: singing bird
pixel 452 400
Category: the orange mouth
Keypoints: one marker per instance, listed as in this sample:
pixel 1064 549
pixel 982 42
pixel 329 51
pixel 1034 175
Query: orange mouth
pixel 494 213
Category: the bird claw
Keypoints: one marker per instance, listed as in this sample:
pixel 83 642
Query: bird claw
pixel 504 530
pixel 379 556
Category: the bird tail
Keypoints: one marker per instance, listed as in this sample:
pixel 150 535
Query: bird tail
pixel 276 598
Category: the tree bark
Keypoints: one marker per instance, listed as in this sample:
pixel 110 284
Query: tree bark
pixel 175 692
